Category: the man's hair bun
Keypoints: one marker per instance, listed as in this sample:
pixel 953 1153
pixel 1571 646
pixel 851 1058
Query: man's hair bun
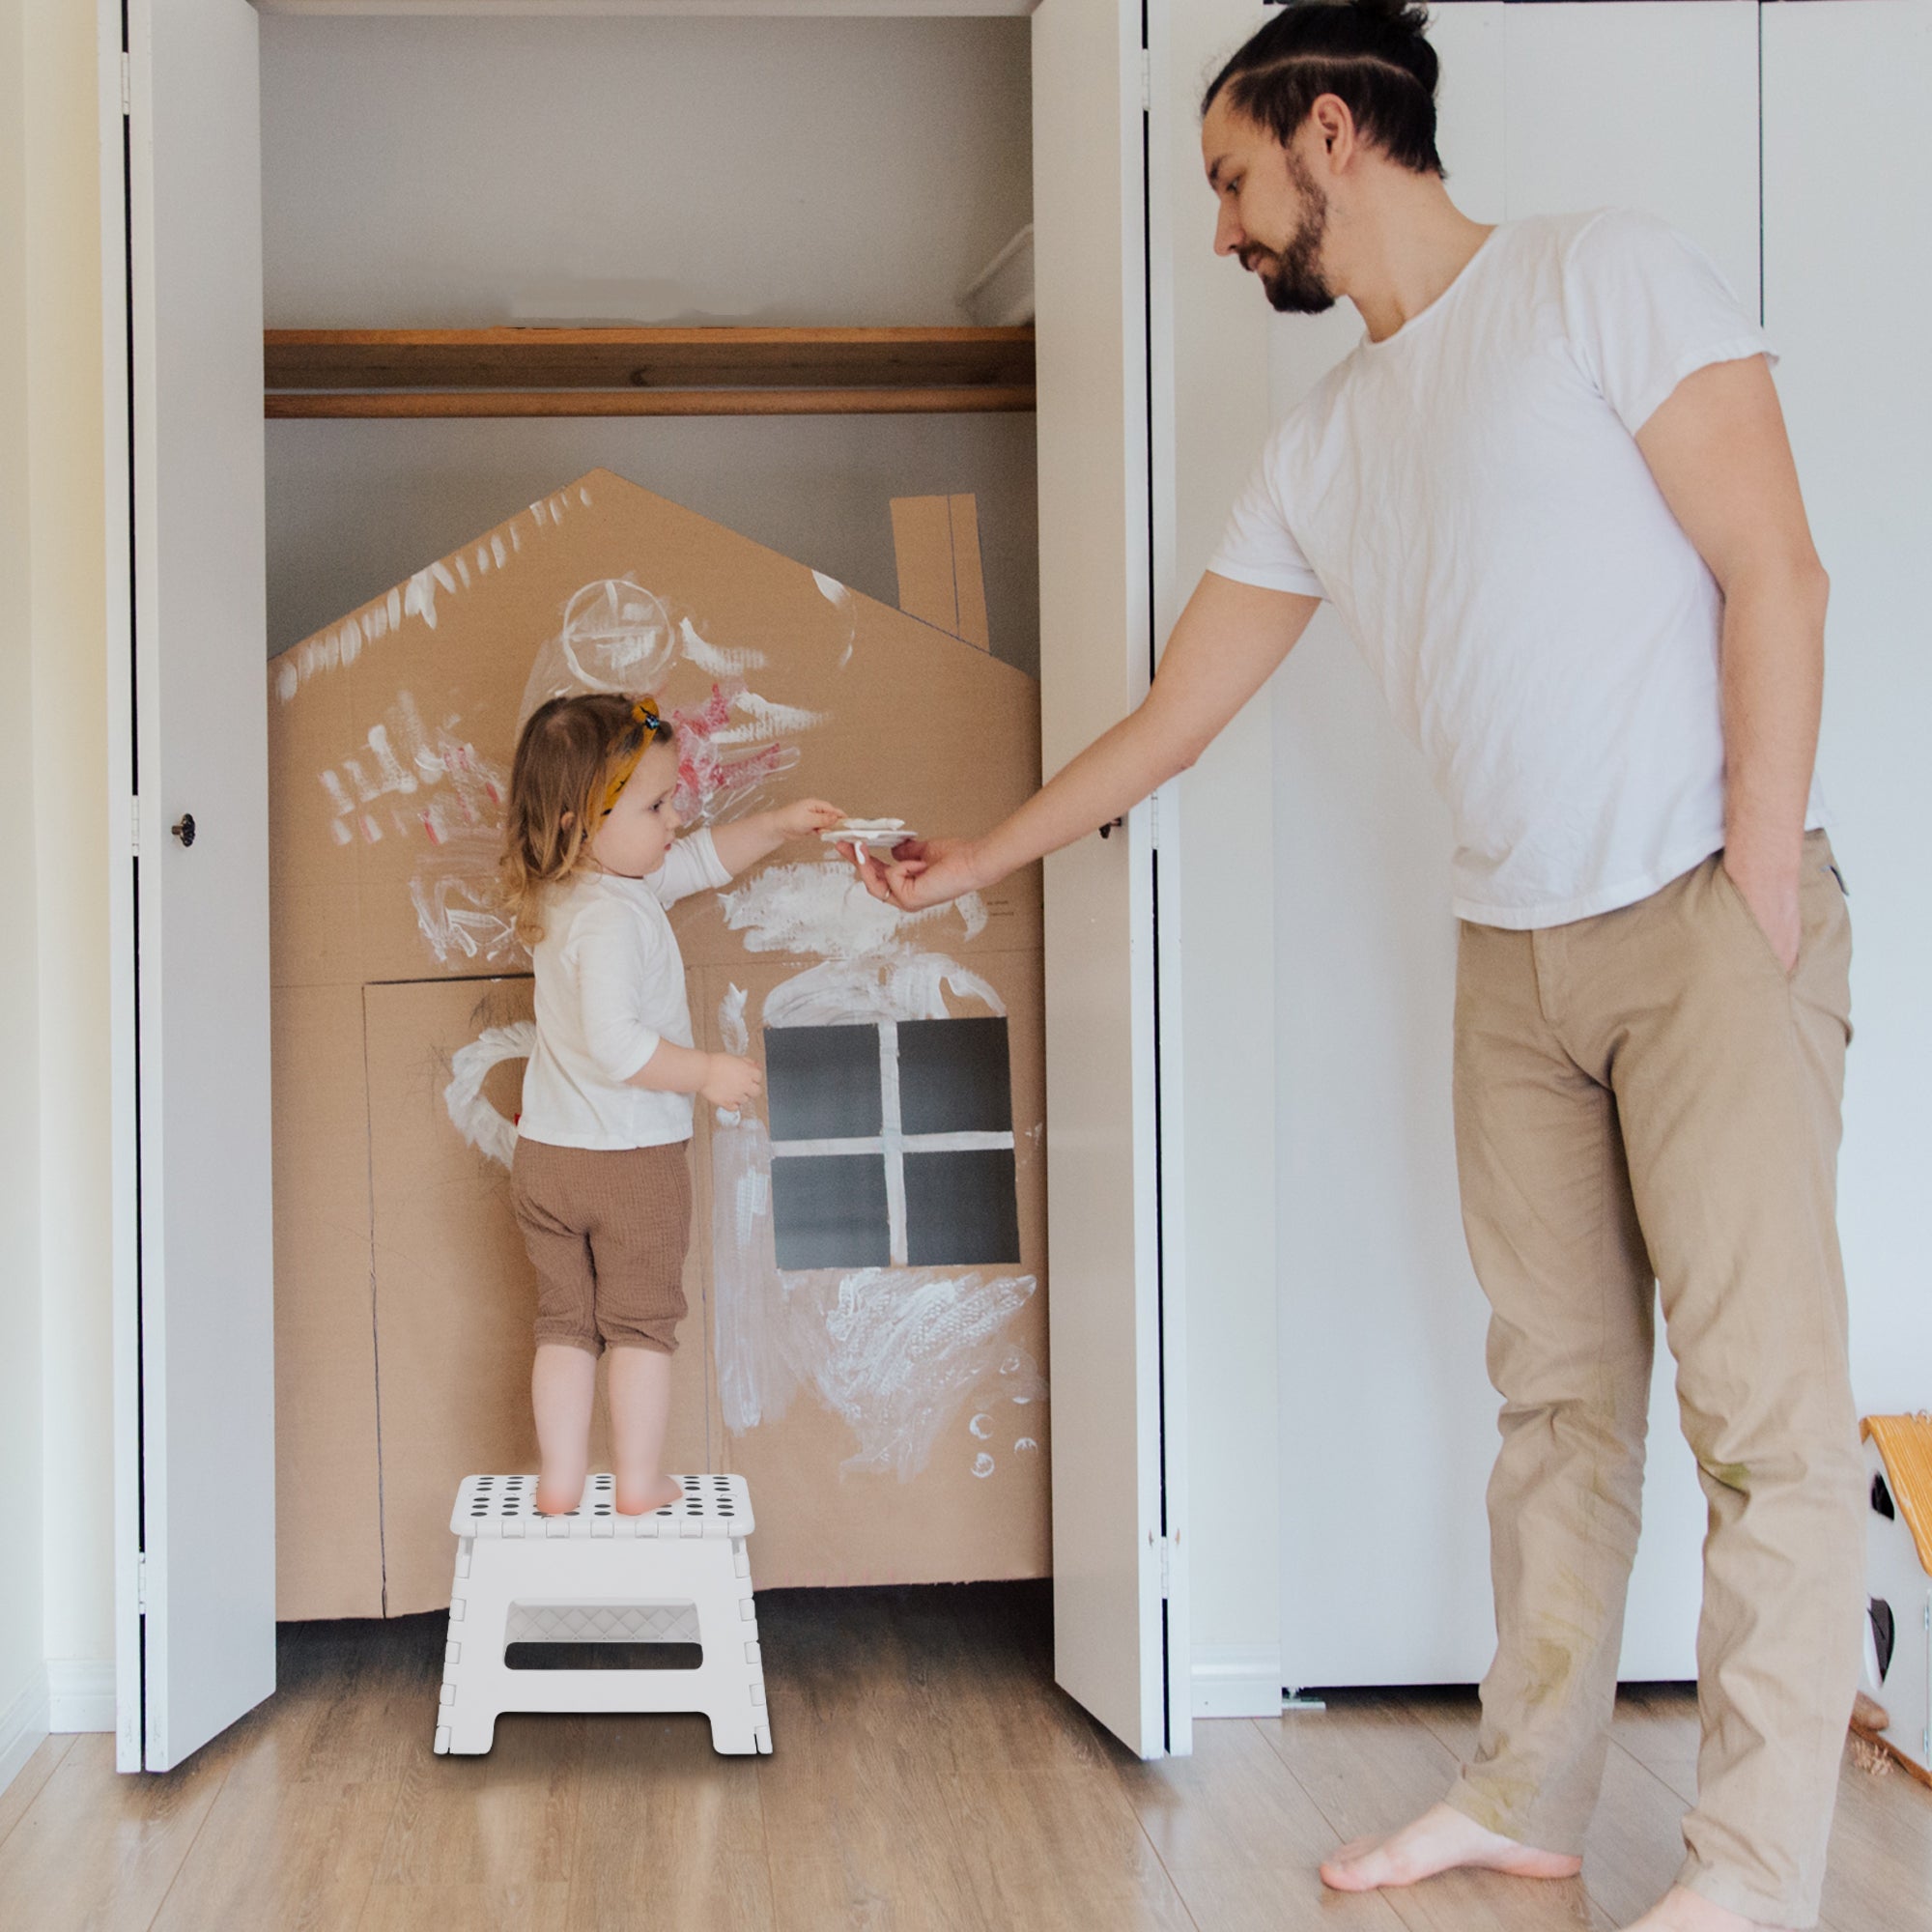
pixel 1371 54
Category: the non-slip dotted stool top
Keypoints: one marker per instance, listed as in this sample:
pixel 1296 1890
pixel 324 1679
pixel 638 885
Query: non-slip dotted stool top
pixel 498 1505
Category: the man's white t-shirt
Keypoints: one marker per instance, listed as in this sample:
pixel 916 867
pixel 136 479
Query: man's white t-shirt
pixel 609 989
pixel 1469 494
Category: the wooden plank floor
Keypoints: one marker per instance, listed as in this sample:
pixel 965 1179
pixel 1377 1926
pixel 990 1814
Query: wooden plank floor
pixel 927 1775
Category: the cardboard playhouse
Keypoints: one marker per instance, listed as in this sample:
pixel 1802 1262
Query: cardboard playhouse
pixel 1896 1710
pixel 867 1284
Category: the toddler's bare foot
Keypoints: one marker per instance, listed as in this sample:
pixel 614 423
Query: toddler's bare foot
pixel 1443 1839
pixel 653 1496
pixel 1682 1910
pixel 555 1498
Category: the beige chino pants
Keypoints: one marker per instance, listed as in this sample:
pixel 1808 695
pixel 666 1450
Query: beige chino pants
pixel 1646 1095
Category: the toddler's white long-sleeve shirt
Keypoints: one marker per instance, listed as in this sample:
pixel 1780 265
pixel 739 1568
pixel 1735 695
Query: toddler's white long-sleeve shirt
pixel 609 990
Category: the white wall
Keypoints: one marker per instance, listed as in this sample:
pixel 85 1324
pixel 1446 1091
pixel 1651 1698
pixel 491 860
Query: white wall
pixel 56 1424
pixel 465 171
pixel 22 1678
pixel 1848 283
pixel 65 440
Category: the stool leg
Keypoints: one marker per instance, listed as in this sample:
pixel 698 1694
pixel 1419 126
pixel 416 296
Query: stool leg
pixel 729 1620
pixel 473 1655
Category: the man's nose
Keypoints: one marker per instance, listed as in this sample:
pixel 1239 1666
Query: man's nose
pixel 1227 236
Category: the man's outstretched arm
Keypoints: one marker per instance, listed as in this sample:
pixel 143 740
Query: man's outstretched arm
pixel 1720 453
pixel 1226 645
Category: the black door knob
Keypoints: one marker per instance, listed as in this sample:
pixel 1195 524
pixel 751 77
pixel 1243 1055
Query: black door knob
pixel 183 829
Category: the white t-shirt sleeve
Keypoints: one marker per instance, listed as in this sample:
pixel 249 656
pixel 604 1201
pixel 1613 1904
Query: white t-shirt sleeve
pixel 1645 308
pixel 690 865
pixel 1258 546
pixel 613 985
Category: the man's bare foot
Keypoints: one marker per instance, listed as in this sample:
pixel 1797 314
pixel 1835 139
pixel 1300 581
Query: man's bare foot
pixel 654 1496
pixel 1443 1839
pixel 1682 1910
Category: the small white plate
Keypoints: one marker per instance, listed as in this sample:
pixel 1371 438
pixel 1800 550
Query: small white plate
pixel 872 837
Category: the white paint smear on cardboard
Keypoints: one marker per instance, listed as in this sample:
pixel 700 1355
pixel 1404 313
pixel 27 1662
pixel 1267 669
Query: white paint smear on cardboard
pixel 474 1118
pixel 731 1027
pixel 900 983
pixel 456 803
pixel 894 1352
pixel 712 661
pixel 823 908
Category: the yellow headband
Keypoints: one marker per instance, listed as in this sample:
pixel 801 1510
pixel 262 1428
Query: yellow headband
pixel 643 712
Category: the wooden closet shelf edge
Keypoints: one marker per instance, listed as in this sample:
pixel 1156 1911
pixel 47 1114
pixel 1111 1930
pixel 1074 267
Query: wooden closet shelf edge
pixel 283 406
pixel 647 359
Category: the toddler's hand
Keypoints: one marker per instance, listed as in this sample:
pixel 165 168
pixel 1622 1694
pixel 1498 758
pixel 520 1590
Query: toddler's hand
pixel 731 1083
pixel 807 816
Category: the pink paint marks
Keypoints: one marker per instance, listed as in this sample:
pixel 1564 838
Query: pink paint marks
pixel 709 783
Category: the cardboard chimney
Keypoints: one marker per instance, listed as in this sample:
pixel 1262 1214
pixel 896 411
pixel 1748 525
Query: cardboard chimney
pixel 866 1280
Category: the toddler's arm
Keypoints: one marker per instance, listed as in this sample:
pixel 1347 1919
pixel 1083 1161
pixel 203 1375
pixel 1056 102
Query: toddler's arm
pixel 721 1079
pixel 747 840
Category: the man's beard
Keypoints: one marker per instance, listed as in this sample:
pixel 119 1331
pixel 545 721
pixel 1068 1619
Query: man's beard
pixel 1291 276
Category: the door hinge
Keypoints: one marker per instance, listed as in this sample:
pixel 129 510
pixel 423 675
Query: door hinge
pixel 141 1583
pixel 135 825
pixel 1166 1568
pixel 1146 81
pixel 127 85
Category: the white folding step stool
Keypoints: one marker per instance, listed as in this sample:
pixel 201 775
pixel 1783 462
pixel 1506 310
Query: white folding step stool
pixel 680 1574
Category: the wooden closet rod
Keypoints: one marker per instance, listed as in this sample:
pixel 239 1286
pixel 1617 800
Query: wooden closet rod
pixel 284 406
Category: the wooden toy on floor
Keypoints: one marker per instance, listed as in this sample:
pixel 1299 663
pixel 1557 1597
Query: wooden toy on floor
pixel 1898 1711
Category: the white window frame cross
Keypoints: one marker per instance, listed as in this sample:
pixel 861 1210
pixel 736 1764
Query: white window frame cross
pixel 892 1142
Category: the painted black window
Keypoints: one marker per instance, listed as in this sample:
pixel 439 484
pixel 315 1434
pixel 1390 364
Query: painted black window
pixel 892 1145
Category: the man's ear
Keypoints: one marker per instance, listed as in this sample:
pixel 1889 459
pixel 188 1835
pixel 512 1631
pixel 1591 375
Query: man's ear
pixel 1334 126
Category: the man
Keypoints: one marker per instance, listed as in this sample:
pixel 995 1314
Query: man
pixel 1553 498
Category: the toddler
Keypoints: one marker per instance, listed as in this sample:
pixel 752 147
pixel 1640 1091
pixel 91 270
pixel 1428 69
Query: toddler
pixel 601 1182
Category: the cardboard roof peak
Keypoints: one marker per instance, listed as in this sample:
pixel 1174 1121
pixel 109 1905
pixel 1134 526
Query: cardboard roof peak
pixel 399 721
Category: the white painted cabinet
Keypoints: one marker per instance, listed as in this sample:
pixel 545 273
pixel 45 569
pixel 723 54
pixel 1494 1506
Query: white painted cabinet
pixel 1387 1419
pixel 1847 288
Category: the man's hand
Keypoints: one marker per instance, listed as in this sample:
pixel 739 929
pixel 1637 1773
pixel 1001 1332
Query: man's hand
pixel 731 1083
pixel 922 873
pixel 1770 892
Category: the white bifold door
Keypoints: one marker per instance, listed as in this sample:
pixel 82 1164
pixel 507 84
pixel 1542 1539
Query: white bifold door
pixel 193 1336
pixel 194 1289
pixel 1120 1600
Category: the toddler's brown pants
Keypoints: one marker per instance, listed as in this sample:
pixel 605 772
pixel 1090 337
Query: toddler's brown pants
pixel 607 1229
pixel 1646 1095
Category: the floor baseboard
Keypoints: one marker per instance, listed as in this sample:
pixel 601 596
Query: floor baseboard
pixel 1237 1680
pixel 80 1694
pixel 23 1726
